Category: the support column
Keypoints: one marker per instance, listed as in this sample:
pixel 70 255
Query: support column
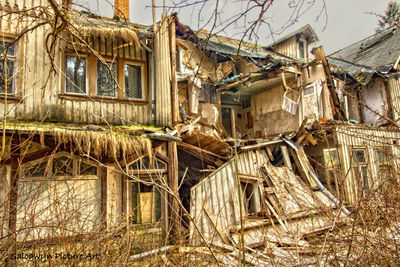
pixel 103 174
pixel 12 217
pixel 173 205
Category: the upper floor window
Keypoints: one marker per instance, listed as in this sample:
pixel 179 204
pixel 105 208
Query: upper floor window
pixel 301 49
pixel 75 75
pixel 8 52
pixel 106 85
pixel 133 81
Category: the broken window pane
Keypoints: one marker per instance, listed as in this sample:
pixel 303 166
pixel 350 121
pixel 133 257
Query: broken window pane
pixel 331 158
pixel 145 203
pixel 63 166
pixel 75 75
pixel 358 156
pixel 133 81
pixel 106 85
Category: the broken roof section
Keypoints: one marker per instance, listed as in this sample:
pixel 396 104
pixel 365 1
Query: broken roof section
pixel 377 54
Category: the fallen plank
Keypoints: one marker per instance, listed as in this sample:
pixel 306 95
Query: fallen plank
pixel 151 252
pixel 260 145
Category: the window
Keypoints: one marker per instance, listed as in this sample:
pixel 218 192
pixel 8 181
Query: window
pixel 385 166
pixel 332 172
pixel 360 169
pixel 145 203
pixel 59 165
pixel 301 49
pixel 106 85
pixel 75 75
pixel 8 52
pixel 109 80
pixel 133 81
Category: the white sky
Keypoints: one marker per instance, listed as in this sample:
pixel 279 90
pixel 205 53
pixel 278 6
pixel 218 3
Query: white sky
pixel 347 20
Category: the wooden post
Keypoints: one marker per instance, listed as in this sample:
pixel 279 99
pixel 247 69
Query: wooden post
pixel 12 217
pixel 174 221
pixel 103 172
pixel 174 84
pixel 286 158
pixel 319 55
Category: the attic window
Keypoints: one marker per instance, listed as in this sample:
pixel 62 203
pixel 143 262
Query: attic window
pixel 7 65
pixel 301 49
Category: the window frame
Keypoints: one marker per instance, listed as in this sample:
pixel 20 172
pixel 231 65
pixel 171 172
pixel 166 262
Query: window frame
pixel 359 166
pixel 142 76
pixel 131 208
pixel 91 79
pixel 15 58
pixel 87 83
pixel 116 77
pixel 50 176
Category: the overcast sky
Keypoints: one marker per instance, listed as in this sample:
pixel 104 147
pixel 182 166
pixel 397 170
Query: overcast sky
pixel 347 21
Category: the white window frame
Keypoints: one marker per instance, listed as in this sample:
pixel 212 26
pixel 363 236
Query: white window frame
pixel 142 66
pixel 86 74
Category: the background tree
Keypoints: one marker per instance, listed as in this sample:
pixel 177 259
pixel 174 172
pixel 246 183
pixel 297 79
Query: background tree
pixel 391 17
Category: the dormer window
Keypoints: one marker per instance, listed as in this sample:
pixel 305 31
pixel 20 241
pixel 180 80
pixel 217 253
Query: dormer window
pixel 301 49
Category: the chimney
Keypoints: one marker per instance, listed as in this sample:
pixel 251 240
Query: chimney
pixel 121 9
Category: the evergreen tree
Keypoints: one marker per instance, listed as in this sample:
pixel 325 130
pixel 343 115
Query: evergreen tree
pixel 391 17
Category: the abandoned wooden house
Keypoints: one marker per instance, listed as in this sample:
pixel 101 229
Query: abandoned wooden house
pixel 75 157
pixel 246 136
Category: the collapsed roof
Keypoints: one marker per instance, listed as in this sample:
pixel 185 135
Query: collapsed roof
pixel 376 54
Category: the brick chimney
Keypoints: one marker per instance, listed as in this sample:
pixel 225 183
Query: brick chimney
pixel 121 9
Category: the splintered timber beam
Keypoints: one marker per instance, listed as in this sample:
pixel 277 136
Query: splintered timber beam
pixel 174 221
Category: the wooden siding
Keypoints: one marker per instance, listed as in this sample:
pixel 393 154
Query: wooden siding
pixel 369 138
pixel 288 48
pixel 394 92
pixel 40 98
pixel 219 192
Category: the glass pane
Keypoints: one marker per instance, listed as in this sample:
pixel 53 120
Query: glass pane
pixel 106 85
pixel 309 90
pixel 134 198
pixel 144 164
pixel 133 82
pixel 157 200
pixel 7 47
pixel 358 156
pixel 301 49
pixel 75 73
pixel 331 158
pixel 383 157
pixel 38 170
pixel 6 75
pixel 62 166
pixel 86 169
